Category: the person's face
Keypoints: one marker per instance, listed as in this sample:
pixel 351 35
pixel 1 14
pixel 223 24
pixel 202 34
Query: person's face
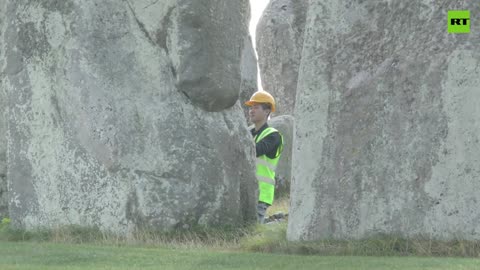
pixel 257 113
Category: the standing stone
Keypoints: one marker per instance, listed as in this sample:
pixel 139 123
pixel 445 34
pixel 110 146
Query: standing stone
pixel 279 46
pixel 3 126
pixel 124 114
pixel 249 74
pixel 387 137
pixel 283 173
pixel 205 40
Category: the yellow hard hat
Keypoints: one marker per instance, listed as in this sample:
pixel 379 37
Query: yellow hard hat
pixel 261 97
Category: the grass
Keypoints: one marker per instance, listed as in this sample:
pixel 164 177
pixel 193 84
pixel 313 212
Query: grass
pixel 201 237
pixel 272 239
pixel 257 238
pixel 252 247
pixel 45 255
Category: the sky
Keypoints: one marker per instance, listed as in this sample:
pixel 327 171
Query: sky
pixel 256 9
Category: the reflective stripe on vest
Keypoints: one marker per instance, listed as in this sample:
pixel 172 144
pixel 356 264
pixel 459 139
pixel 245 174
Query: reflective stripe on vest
pixel 263 162
pixel 265 180
pixel 266 169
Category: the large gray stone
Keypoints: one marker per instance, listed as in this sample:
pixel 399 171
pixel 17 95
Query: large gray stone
pixel 279 37
pixel 107 112
pixel 387 132
pixel 249 74
pixel 206 36
pixel 283 173
pixel 3 126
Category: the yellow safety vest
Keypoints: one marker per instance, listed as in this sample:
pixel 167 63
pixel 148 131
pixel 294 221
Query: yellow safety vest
pixel 266 169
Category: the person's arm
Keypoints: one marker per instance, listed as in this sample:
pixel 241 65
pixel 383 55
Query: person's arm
pixel 268 145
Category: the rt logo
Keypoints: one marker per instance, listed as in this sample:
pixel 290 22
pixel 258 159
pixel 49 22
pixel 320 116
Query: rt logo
pixel 458 21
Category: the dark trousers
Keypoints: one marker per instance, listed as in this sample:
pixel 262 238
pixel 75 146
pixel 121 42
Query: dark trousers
pixel 261 211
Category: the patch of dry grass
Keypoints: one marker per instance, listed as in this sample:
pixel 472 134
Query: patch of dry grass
pixel 279 205
pixel 269 238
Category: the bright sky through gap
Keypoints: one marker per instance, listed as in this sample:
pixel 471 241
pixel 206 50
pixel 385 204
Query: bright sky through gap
pixel 256 7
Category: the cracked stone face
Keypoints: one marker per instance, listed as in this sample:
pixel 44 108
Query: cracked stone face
pixel 386 123
pixel 121 114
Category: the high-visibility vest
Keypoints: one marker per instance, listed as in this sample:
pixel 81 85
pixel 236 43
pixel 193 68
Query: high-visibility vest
pixel 266 169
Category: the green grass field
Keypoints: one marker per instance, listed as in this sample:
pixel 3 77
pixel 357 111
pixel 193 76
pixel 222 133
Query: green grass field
pixel 31 255
pixel 252 247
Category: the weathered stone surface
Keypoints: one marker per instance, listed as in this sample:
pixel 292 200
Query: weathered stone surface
pixel 206 38
pixel 249 74
pixel 279 37
pixel 387 132
pixel 100 133
pixel 3 127
pixel 283 174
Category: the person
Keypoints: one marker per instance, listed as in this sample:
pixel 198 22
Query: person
pixel 268 145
